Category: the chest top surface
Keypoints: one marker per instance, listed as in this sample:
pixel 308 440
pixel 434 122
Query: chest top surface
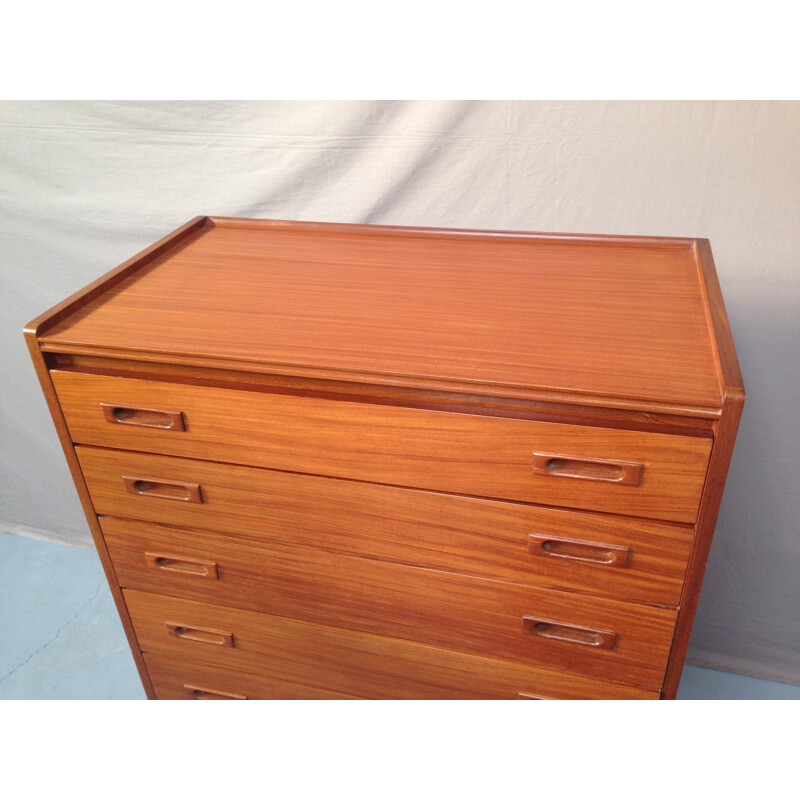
pixel 609 317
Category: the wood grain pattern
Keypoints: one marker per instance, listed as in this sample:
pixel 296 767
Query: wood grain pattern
pixel 725 435
pixel 355 411
pixel 730 375
pixel 72 306
pixel 142 486
pixel 354 662
pixel 477 537
pixel 181 680
pixel 607 316
pixel 461 453
pixel 545 407
pixel 465 613
pixel 707 520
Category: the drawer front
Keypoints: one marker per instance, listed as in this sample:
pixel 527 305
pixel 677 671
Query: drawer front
pixel 593 636
pixel 623 557
pixel 181 680
pixel 346 661
pixel 650 475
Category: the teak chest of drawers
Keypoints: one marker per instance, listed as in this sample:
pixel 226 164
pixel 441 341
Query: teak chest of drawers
pixel 350 461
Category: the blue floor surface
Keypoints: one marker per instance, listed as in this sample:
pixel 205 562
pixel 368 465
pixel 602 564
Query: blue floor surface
pixel 61 638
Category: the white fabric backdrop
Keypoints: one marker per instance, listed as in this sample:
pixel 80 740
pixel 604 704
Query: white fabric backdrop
pixel 85 185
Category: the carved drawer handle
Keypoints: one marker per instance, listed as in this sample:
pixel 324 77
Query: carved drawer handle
pixel 571 634
pixel 166 490
pixel 204 635
pixel 144 417
pixel 608 555
pixel 199 693
pixel 182 565
pixel 624 473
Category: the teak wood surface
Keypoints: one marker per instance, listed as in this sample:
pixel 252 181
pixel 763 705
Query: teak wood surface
pixel 464 453
pixel 486 538
pixel 464 613
pixel 350 661
pixel 442 360
pixel 181 680
pixel 615 317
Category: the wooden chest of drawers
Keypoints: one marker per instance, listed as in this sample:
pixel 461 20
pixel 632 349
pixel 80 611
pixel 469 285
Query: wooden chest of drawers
pixel 340 461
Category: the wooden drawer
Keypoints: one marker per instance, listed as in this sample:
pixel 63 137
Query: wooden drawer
pixel 181 680
pixel 651 475
pixel 480 537
pixel 347 661
pixel 593 636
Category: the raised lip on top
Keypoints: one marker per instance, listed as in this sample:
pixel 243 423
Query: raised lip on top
pixel 725 360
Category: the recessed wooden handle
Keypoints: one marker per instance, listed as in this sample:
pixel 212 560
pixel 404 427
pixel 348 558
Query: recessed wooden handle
pixel 144 417
pixel 571 634
pixel 204 635
pixel 529 696
pixel 625 473
pixel 182 565
pixel 608 555
pixel 166 490
pixel 199 693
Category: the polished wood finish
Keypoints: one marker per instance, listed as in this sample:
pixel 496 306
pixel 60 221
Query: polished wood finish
pixel 76 304
pixel 478 537
pixel 730 379
pixel 608 555
pixel 144 417
pixel 465 613
pixel 536 312
pixel 463 453
pixel 194 633
pixel 623 473
pixel 182 565
pixel 546 407
pixel 363 461
pixel 351 661
pixel 180 680
pixel 201 693
pixel 164 490
pixel 569 634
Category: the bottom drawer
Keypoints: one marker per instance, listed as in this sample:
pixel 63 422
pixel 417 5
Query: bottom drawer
pixel 180 680
pixel 343 660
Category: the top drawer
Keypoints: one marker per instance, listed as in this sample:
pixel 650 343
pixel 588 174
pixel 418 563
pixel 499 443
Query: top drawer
pixel 626 472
